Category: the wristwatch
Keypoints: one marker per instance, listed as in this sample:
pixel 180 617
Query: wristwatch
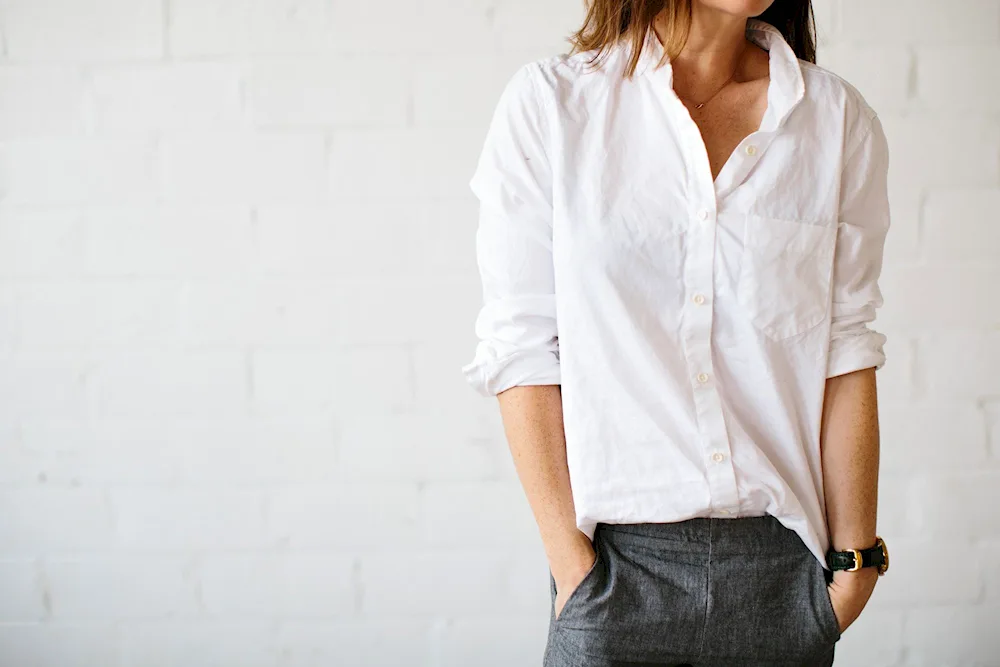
pixel 853 560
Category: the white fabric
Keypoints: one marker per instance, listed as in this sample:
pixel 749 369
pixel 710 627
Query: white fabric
pixel 691 324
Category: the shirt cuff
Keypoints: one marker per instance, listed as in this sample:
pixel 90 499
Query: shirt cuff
pixel 490 376
pixel 856 351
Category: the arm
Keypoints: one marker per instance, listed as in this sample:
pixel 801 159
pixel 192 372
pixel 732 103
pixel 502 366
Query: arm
pixel 532 418
pixel 849 435
pixel 850 459
pixel 517 358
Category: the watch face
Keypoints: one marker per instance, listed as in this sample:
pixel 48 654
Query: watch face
pixel 885 557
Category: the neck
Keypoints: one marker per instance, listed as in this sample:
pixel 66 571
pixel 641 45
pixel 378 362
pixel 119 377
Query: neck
pixel 715 44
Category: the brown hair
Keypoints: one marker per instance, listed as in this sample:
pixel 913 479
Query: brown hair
pixel 610 21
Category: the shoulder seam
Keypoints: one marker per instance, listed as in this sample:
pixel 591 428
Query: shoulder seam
pixel 866 107
pixel 533 70
pixel 849 155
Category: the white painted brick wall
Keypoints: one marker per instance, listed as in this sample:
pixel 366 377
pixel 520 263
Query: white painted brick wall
pixel 237 282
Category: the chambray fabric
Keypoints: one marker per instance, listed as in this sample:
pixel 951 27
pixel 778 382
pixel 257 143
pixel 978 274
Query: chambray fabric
pixel 705 592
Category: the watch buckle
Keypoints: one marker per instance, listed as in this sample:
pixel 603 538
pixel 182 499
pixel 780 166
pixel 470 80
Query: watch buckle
pixel 885 556
pixel 857 560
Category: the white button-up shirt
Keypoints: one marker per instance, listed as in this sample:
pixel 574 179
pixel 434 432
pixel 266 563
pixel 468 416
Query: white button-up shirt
pixel 692 323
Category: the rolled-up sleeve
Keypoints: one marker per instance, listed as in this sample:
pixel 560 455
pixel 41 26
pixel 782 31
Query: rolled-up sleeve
pixel 861 232
pixel 516 326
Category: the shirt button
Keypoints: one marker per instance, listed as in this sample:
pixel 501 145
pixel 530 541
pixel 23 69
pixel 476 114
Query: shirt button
pixel 703 214
pixel 698 299
pixel 751 150
pixel 703 377
pixel 718 457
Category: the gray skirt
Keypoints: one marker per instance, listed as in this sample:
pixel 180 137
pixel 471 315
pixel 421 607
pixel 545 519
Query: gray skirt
pixel 705 592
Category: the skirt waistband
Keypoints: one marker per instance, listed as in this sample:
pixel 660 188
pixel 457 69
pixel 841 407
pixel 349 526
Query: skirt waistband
pixel 763 533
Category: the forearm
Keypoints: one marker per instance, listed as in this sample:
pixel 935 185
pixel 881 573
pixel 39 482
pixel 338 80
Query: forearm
pixel 850 457
pixel 533 424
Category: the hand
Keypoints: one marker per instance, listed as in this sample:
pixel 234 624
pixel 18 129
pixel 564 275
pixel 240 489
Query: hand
pixel 570 574
pixel 849 593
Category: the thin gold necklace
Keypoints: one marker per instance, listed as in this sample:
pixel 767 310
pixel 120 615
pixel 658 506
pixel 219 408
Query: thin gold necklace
pixel 738 61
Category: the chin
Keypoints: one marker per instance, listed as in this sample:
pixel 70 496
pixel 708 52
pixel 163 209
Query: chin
pixel 744 8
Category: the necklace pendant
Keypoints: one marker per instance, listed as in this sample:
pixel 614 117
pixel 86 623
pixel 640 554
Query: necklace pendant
pixel 698 106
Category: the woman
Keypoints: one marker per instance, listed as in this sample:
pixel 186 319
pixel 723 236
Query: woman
pixel 681 231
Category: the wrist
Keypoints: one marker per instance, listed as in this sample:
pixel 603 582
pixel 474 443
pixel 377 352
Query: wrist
pixel 864 578
pixel 572 556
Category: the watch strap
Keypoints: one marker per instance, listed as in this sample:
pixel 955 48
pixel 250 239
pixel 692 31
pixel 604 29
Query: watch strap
pixel 855 559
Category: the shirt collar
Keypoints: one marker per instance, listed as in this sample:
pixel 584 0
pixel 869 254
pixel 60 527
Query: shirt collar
pixel 787 85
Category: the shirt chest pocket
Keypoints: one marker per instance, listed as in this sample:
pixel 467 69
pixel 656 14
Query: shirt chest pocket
pixel 786 274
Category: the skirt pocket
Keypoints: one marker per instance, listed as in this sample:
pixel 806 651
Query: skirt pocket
pixel 579 593
pixel 827 615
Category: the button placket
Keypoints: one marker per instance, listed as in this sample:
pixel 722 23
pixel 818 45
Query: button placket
pixel 699 279
pixel 721 472
pixel 697 336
